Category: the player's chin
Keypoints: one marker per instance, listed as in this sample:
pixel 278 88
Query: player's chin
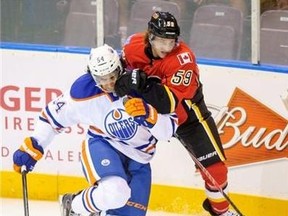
pixel 107 89
pixel 163 54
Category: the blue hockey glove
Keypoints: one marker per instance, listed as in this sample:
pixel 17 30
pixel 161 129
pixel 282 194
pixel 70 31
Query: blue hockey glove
pixel 132 80
pixel 143 113
pixel 27 155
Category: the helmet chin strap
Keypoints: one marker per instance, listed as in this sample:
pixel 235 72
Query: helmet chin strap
pixel 151 37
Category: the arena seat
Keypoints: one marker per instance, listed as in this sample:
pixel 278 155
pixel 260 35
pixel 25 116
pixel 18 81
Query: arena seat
pixel 141 12
pixel 274 37
pixel 216 32
pixel 80 28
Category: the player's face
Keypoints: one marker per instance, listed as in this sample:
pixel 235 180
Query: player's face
pixel 162 46
pixel 108 81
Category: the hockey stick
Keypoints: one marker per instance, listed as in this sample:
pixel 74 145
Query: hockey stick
pixel 25 190
pixel 210 177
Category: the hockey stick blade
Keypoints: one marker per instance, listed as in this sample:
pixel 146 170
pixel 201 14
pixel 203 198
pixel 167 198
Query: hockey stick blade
pixel 25 190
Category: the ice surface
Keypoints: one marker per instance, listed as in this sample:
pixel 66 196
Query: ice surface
pixel 15 207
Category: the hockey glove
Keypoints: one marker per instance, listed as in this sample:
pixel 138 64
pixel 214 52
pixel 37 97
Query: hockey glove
pixel 132 80
pixel 27 155
pixel 143 113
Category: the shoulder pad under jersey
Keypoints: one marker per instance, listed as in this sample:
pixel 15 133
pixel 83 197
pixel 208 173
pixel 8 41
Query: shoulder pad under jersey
pixel 84 87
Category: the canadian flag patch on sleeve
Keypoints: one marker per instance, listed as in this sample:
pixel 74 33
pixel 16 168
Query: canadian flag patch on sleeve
pixel 184 58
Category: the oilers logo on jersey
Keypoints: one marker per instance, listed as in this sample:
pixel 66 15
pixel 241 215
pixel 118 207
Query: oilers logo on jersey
pixel 119 124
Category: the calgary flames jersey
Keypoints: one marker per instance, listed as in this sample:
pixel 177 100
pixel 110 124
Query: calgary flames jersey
pixel 178 71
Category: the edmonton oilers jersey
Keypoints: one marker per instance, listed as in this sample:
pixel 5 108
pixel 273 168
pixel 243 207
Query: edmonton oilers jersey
pixel 105 115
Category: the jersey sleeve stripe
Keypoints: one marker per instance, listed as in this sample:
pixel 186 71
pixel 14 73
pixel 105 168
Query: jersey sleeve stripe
pixel 171 99
pixel 96 130
pixel 42 118
pixel 53 119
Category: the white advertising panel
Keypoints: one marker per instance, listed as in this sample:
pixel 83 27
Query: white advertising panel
pixel 248 106
pixel 30 80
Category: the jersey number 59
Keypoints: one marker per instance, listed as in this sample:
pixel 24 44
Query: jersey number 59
pixel 182 77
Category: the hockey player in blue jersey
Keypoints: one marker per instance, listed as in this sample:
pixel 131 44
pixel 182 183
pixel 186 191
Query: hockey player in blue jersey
pixel 120 141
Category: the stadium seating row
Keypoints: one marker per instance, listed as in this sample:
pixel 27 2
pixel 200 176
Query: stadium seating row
pixel 216 30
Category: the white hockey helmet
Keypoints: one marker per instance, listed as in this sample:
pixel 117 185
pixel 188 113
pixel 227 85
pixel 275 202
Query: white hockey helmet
pixel 103 60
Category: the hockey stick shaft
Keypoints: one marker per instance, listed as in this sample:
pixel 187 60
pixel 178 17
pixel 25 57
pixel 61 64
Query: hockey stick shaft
pixel 214 182
pixel 210 177
pixel 25 190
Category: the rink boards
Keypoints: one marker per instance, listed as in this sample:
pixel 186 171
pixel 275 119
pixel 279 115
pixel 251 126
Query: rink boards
pixel 248 103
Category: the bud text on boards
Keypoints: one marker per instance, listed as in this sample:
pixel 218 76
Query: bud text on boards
pixel 250 131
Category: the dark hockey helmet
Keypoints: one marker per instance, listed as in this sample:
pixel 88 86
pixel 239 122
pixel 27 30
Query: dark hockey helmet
pixel 164 25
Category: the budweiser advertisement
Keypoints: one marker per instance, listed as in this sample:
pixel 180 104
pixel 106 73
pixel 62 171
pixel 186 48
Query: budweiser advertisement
pixel 250 131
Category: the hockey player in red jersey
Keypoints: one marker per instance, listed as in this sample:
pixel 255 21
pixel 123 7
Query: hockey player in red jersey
pixel 165 73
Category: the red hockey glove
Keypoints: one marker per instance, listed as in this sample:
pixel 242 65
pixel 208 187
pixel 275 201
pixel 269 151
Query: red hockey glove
pixel 27 155
pixel 143 113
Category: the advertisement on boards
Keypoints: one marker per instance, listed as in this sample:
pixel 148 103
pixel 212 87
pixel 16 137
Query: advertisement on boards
pixel 30 80
pixel 249 108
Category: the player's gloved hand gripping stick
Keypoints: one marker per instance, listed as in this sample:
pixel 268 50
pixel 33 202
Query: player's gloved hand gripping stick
pixel 27 155
pixel 24 160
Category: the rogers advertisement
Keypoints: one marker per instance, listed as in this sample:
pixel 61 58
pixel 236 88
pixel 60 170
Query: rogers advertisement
pixel 249 106
pixel 30 80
